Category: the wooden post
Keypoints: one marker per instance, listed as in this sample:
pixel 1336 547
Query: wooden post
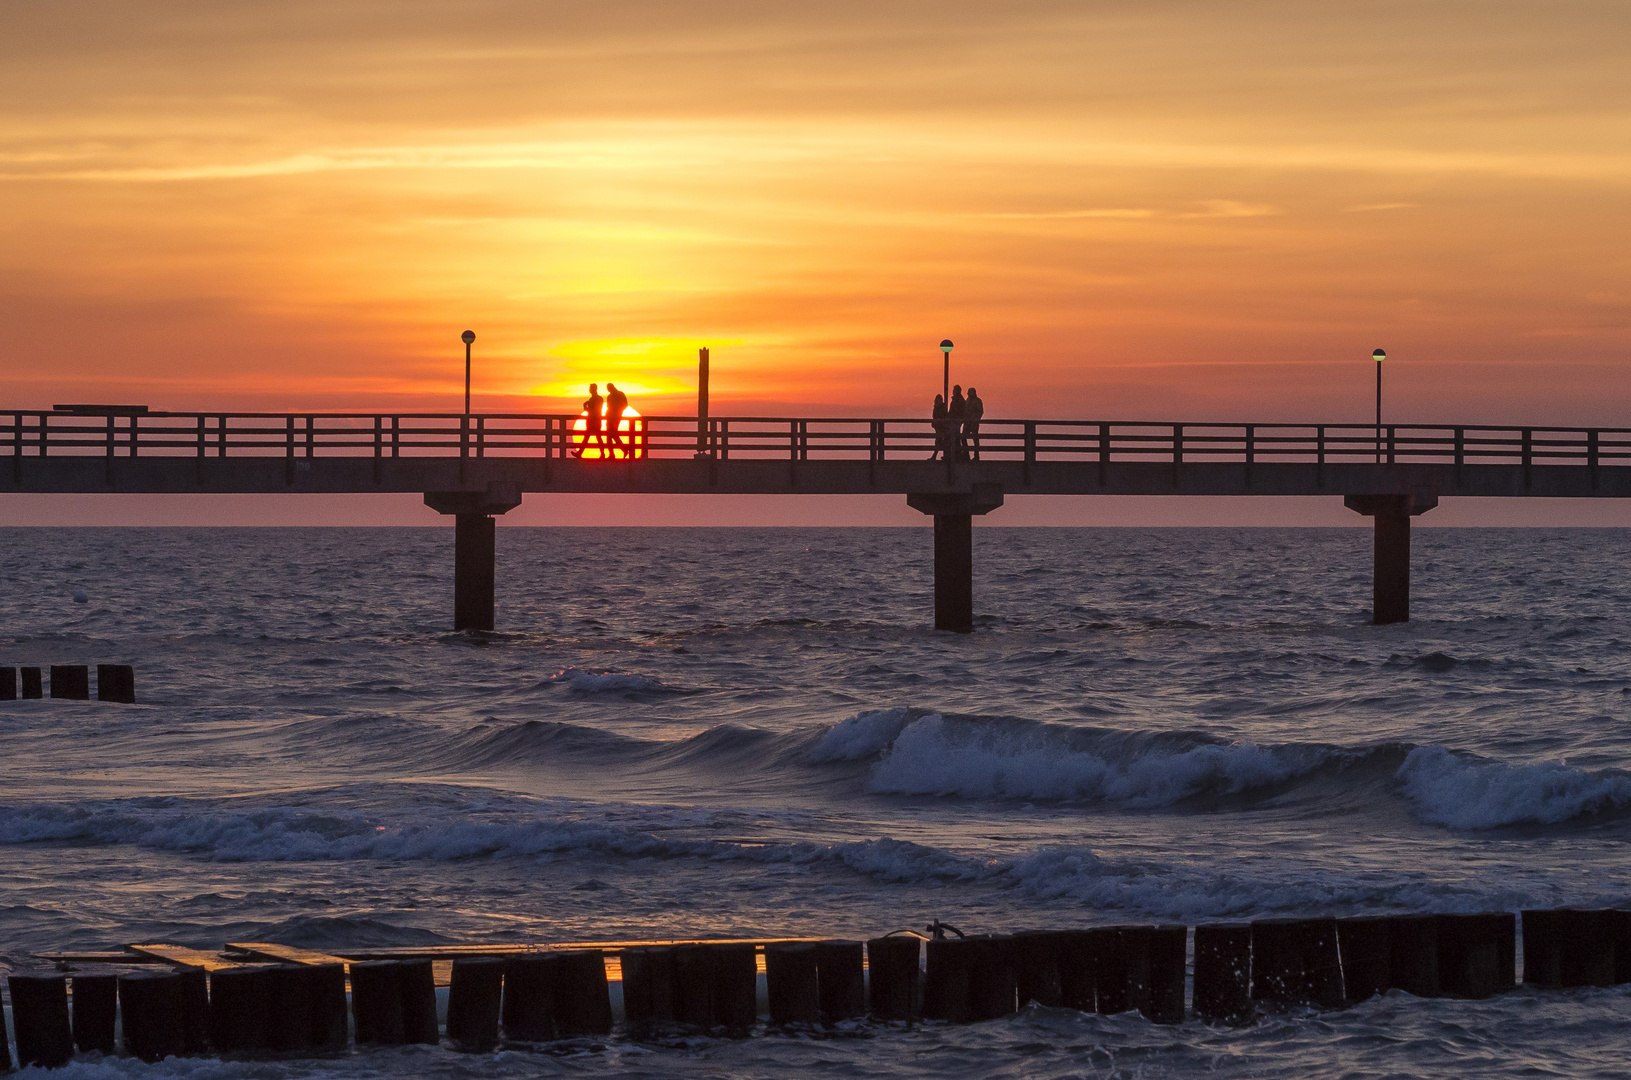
pixel 474 571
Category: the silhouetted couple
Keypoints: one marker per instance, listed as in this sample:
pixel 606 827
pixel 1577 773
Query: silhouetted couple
pixel 612 407
pixel 957 426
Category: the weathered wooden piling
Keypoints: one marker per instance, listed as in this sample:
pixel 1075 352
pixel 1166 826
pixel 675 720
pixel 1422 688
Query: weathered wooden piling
pixel 1075 954
pixel 1036 967
pixel 1223 973
pixel 1413 954
pixel 792 983
pixel 1618 927
pixel 116 682
pixel 418 987
pixel 1365 943
pixel 33 685
pixel 1169 949
pixel 8 683
pixel 150 1007
pixel 716 985
pixel 293 1009
pixel 894 990
pixel 528 1008
pixel 648 990
pixel 71 682
pixel 1122 964
pixel 331 1028
pixel 95 1011
pixel 991 989
pixel 474 996
pixel 1295 962
pixel 583 1003
pixel 946 980
pixel 376 1002
pixel 1568 947
pixel 841 978
pixel 1469 954
pixel 39 1015
pixel 240 1008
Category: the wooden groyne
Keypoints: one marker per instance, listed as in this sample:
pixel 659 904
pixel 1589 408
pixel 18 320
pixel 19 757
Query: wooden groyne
pixel 72 682
pixel 252 999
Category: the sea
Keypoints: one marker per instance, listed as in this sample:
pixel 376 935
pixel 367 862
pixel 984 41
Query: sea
pixel 718 732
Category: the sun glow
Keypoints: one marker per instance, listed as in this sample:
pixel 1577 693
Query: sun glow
pixel 627 441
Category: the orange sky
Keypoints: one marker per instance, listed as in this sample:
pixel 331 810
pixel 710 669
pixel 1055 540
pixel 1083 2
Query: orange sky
pixel 1173 210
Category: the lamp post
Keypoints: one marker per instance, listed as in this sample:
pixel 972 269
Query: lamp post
pixel 467 337
pixel 1378 356
pixel 945 392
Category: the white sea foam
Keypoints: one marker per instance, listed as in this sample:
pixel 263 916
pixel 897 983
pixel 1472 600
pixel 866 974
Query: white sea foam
pixel 1467 792
pixel 862 736
pixel 984 760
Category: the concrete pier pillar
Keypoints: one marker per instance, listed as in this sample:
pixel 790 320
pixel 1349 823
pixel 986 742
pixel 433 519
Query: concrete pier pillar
pixel 1390 601
pixel 474 564
pixel 953 514
pixel 473 571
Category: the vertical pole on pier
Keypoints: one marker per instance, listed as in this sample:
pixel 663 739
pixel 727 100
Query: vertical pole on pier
pixel 702 403
pixel 473 572
pixel 954 573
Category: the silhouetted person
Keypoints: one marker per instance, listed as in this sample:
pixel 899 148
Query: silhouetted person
pixel 591 424
pixel 939 423
pixel 973 409
pixel 617 403
pixel 956 411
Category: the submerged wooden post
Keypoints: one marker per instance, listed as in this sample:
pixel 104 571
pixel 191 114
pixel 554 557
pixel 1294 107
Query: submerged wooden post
pixel 1223 973
pixel 116 682
pixel 39 1013
pixel 95 1008
pixel 894 992
pixel 473 998
pixel 841 977
pixel 791 983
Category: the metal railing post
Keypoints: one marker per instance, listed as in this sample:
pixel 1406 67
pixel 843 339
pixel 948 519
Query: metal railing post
pixel 110 435
pixel 1391 444
pixel 311 423
pixel 1528 453
pixel 724 440
pixel 221 435
pixel 288 467
pixel 133 436
pixel 396 436
pixel 200 434
pixel 1177 444
pixel 1251 443
pixel 464 436
pixel 43 437
pixel 481 436
pixel 379 436
pixel 1030 448
pixel 1460 447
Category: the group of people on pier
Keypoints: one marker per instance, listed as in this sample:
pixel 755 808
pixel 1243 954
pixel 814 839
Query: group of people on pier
pixel 957 426
pixel 603 423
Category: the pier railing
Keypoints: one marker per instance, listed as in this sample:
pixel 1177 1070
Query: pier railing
pixel 127 433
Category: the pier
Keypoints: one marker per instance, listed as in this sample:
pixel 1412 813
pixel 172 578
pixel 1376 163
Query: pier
pixel 478 467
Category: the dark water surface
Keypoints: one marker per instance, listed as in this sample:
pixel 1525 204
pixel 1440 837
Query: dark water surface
pixel 683 732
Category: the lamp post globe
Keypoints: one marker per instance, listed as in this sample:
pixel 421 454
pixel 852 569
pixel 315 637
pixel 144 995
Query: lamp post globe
pixel 946 347
pixel 1379 355
pixel 467 337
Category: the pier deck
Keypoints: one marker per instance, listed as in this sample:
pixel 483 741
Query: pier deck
pixel 475 467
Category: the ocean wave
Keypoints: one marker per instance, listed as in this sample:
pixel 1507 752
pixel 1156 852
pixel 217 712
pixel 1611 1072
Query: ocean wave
pixel 1182 889
pixel 1467 792
pixel 586 681
pixel 864 735
pixel 994 759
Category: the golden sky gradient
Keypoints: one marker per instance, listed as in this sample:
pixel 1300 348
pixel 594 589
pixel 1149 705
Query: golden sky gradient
pixel 1177 210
